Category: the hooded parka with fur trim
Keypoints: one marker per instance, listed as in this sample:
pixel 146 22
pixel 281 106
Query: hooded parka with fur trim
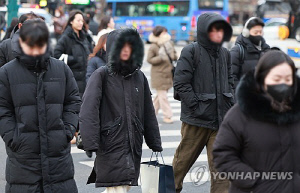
pixel 116 113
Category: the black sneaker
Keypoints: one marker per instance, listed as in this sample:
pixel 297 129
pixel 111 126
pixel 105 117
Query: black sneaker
pixel 89 153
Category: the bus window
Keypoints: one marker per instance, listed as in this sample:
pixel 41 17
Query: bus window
pixel 135 9
pixel 109 9
pixel 211 4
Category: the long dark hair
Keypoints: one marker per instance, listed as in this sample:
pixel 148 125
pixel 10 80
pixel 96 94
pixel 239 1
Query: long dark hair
pixel 104 22
pixel 268 61
pixel 72 17
pixel 99 46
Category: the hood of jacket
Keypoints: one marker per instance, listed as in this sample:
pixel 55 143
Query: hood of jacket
pixel 15 46
pixel 249 45
pixel 160 40
pixel 111 38
pixel 204 22
pixel 135 62
pixel 16 28
pixel 257 106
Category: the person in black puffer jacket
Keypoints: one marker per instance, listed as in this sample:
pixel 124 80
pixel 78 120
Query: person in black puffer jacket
pixel 117 112
pixel 75 47
pixel 203 80
pixel 249 47
pixel 39 106
pixel 257 146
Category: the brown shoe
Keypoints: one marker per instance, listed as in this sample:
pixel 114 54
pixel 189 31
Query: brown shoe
pixel 168 120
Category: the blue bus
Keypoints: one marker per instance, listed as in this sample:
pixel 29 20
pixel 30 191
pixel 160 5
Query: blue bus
pixel 178 16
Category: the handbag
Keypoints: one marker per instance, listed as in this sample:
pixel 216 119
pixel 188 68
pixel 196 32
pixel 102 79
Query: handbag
pixel 157 178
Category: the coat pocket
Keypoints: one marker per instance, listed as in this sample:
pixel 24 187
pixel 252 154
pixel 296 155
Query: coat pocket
pixel 228 101
pixel 110 135
pixel 207 108
pixel 138 135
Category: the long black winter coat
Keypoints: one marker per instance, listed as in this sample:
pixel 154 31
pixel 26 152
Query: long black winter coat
pixel 205 86
pixel 78 50
pixel 241 66
pixel 38 115
pixel 255 138
pixel 116 113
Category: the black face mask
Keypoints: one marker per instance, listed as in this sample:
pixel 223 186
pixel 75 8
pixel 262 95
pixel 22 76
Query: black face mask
pixel 280 92
pixel 255 39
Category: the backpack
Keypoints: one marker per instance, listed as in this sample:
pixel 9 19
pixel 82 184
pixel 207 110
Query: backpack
pixel 196 54
pixel 241 53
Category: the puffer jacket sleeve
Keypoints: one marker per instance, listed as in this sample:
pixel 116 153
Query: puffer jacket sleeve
pixel 89 117
pixel 72 102
pixel 236 66
pixel 7 116
pixel 154 58
pixel 61 47
pixel 152 135
pixel 183 77
pixel 230 73
pixel 3 49
pixel 227 150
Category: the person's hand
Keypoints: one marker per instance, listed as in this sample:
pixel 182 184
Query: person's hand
pixel 157 149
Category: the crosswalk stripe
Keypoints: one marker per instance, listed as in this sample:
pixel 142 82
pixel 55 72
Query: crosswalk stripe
pixel 168 161
pixel 170 95
pixel 173 111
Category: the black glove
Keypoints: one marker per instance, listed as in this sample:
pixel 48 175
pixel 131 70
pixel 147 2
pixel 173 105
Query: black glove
pixel 157 149
pixel 70 131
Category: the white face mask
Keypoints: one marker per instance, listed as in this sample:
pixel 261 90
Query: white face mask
pixel 57 14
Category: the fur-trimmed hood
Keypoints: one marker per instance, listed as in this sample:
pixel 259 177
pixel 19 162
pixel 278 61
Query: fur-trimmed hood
pixel 135 62
pixel 160 40
pixel 259 107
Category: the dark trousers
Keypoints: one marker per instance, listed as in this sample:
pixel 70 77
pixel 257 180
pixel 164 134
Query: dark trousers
pixel 194 139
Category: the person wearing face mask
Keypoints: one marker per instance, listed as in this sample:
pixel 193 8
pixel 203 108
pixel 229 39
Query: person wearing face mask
pixel 259 137
pixel 59 21
pixel 249 47
pixel 203 82
pixel 39 107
